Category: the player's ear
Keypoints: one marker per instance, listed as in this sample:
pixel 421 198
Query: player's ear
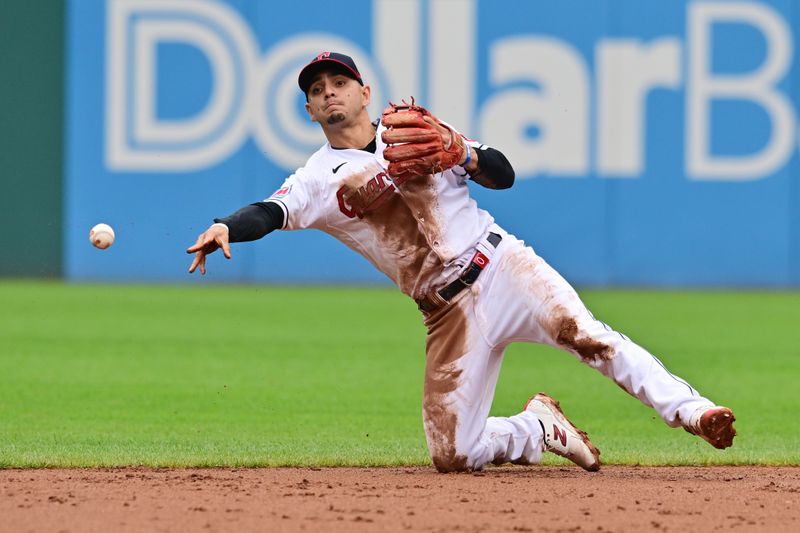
pixel 310 113
pixel 366 95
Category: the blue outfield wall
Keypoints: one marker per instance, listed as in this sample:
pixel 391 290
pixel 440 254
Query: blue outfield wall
pixel 655 142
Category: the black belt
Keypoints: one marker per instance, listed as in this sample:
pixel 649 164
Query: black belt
pixel 468 276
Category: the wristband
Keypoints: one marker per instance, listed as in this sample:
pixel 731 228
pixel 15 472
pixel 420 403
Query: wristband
pixel 468 159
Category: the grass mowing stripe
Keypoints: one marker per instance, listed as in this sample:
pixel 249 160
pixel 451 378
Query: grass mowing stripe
pixel 259 375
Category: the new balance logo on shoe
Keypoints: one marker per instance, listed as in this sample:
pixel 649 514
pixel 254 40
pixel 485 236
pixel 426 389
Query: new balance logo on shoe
pixel 565 439
pixel 559 435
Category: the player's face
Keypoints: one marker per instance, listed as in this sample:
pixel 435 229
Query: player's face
pixel 335 99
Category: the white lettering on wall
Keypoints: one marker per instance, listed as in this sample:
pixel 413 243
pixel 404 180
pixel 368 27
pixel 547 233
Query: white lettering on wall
pixel 539 109
pixel 451 64
pixel 548 92
pixel 758 87
pixel 402 57
pixel 627 71
pixel 137 139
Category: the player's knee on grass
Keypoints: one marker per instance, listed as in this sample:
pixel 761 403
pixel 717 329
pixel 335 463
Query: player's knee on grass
pixel 447 458
pixel 442 449
pixel 450 462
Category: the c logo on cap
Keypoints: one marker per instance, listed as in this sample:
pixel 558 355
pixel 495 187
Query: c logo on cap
pixel 323 55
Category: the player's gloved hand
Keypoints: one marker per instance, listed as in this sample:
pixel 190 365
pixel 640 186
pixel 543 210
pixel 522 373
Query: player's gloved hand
pixel 211 240
pixel 418 143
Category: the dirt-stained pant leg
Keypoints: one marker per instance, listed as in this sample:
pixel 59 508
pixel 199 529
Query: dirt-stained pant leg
pixel 460 378
pixel 524 299
pixel 519 297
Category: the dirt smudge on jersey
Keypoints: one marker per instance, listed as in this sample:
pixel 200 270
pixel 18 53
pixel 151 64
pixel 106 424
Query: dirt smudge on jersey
pixel 445 344
pixel 419 194
pixel 373 196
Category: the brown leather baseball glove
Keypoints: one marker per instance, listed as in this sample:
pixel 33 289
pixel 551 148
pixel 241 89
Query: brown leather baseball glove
pixel 417 143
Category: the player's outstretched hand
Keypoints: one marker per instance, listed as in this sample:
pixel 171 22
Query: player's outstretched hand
pixel 211 240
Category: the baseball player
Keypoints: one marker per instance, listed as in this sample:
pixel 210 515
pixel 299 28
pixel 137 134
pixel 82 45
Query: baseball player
pixel 395 190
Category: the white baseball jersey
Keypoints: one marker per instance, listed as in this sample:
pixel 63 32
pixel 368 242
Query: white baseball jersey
pixel 419 233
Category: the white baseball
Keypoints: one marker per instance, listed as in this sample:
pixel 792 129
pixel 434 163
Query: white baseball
pixel 101 236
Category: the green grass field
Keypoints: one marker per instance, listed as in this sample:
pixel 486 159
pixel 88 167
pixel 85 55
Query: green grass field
pixel 205 375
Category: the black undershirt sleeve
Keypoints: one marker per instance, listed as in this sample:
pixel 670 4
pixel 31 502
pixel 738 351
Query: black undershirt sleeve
pixel 253 221
pixel 494 168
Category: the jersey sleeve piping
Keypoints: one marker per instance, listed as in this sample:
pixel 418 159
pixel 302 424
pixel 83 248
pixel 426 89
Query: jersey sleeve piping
pixel 284 209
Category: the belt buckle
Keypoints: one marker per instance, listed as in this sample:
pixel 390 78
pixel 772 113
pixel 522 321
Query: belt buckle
pixel 432 301
pixel 436 300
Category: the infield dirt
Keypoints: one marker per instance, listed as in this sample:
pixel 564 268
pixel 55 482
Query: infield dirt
pixel 401 499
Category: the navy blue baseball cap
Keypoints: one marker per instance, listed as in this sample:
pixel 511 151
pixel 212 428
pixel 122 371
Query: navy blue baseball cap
pixel 331 60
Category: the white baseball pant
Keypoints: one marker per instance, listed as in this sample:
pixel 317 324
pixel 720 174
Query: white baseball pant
pixel 519 297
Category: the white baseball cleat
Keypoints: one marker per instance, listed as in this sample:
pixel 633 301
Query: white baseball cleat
pixel 561 436
pixel 714 425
